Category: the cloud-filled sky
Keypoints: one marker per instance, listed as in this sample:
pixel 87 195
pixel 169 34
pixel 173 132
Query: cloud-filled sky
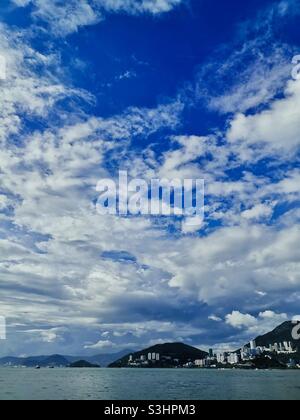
pixel 160 88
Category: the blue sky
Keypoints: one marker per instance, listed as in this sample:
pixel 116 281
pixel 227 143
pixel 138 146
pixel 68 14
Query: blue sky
pixel 162 88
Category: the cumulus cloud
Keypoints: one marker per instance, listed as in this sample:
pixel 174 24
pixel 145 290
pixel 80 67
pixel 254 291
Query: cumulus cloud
pixel 259 211
pixel 277 126
pixel 239 320
pixel 101 345
pixel 253 326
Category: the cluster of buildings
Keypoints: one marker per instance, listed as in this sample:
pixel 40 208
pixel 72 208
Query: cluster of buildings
pixel 145 360
pixel 152 360
pixel 277 348
pixel 242 357
pixel 246 354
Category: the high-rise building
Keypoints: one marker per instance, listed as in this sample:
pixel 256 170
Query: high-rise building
pixel 211 353
pixel 157 357
pixel 233 359
pixel 202 363
pixel 222 358
pixel 252 345
pixel 149 356
pixel 245 353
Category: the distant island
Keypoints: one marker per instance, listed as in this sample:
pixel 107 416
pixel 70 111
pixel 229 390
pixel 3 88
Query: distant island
pixel 83 364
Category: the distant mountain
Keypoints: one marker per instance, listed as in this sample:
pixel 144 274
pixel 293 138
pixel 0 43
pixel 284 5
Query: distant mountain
pixel 55 360
pixel 83 364
pixel 44 361
pixel 168 353
pixel 103 360
pixel 278 335
pixel 59 360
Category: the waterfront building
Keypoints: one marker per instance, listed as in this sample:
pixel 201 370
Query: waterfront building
pixel 204 363
pixel 222 358
pixel 245 354
pixel 233 359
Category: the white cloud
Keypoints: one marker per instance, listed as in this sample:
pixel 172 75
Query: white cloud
pixel 101 345
pixel 258 84
pixel 26 92
pixel 265 322
pixel 259 211
pixel 278 127
pixel 49 336
pixel 236 261
pixel 139 6
pixel 69 17
pixel 215 318
pixel 239 320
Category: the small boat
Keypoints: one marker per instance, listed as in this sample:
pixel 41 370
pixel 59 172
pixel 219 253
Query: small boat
pixel 38 367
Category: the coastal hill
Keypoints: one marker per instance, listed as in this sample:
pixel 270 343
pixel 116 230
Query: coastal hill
pixel 280 334
pixel 170 354
pixel 83 364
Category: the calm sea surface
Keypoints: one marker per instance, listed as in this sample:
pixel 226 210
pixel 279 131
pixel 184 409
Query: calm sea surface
pixel 127 384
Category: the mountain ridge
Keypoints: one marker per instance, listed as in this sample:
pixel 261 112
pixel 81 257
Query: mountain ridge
pixel 281 333
pixel 61 360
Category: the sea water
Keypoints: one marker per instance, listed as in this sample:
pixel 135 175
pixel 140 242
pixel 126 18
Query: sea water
pixel 147 384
